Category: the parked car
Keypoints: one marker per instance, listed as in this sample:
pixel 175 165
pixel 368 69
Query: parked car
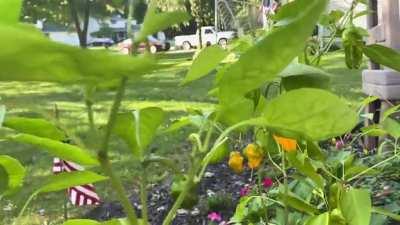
pixel 157 43
pixel 209 37
pixel 106 42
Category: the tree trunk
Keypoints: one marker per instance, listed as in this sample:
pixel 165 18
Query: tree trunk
pixel 82 32
pixel 200 36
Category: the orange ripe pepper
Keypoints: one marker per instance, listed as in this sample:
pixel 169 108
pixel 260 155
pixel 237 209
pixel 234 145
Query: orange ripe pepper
pixel 236 162
pixel 254 156
pixel 287 144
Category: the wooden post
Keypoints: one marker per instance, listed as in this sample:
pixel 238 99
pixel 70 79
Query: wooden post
pixel 382 82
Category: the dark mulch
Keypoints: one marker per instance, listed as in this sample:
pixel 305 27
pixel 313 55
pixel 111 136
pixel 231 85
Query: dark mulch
pixel 218 179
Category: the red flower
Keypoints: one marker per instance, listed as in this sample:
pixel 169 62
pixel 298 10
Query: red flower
pixel 268 182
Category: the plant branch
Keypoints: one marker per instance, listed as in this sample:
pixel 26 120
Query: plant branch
pixel 373 167
pixel 105 162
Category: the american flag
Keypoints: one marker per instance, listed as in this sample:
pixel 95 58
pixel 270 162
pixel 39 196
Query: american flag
pixel 78 195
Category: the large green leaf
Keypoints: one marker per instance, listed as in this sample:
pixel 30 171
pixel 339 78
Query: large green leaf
pixel 29 56
pixel 383 55
pixel 322 219
pixel 12 174
pixel 65 180
pixel 206 61
pixel 10 11
pixel 239 110
pixel 312 114
pixel 392 127
pixel 59 149
pixel 298 75
pixel 355 205
pixel 154 22
pixel 38 127
pixel 266 59
pixel 138 128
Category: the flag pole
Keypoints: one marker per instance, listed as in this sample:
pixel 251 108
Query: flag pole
pixel 65 203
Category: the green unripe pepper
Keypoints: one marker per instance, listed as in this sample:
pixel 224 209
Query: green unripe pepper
pixel 353 44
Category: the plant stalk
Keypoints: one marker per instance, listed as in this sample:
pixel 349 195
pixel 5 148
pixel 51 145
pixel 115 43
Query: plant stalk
pixel 105 162
pixel 89 107
pixel 286 187
pixel 373 167
pixel 189 182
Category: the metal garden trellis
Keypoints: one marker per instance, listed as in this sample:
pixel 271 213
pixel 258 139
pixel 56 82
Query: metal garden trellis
pixel 384 28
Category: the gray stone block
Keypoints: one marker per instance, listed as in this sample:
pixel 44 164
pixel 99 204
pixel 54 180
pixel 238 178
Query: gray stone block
pixel 381 77
pixel 384 84
pixel 391 92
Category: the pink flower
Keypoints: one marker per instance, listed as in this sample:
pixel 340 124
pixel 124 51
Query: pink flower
pixel 268 182
pixel 214 217
pixel 339 144
pixel 245 190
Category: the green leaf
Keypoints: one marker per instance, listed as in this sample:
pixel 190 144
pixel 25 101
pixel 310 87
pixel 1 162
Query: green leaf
pixel 373 130
pixel 304 166
pixel 10 11
pixel 81 222
pixel 383 55
pixel 355 205
pixel 392 127
pixel 154 22
pixel 138 128
pixel 298 75
pixel 315 152
pixel 366 101
pixel 58 149
pixel 299 204
pixel 386 213
pixel 12 175
pixel 390 111
pixel 312 114
pixel 65 180
pixel 241 210
pixel 29 56
pixel 38 127
pixel 322 219
pixel 206 61
pixel 266 59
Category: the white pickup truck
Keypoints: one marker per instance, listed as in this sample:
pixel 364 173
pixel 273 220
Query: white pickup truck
pixel 208 35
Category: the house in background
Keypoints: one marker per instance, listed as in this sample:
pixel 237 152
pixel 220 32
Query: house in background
pixel 113 28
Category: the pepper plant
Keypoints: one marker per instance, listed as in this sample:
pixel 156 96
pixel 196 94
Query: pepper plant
pixel 288 127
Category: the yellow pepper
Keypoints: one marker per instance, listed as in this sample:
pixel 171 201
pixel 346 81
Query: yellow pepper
pixel 236 162
pixel 287 144
pixel 254 156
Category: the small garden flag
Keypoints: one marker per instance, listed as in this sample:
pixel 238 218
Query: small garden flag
pixel 78 195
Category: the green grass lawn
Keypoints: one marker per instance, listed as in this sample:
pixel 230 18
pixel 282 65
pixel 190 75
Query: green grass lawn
pixel 160 89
